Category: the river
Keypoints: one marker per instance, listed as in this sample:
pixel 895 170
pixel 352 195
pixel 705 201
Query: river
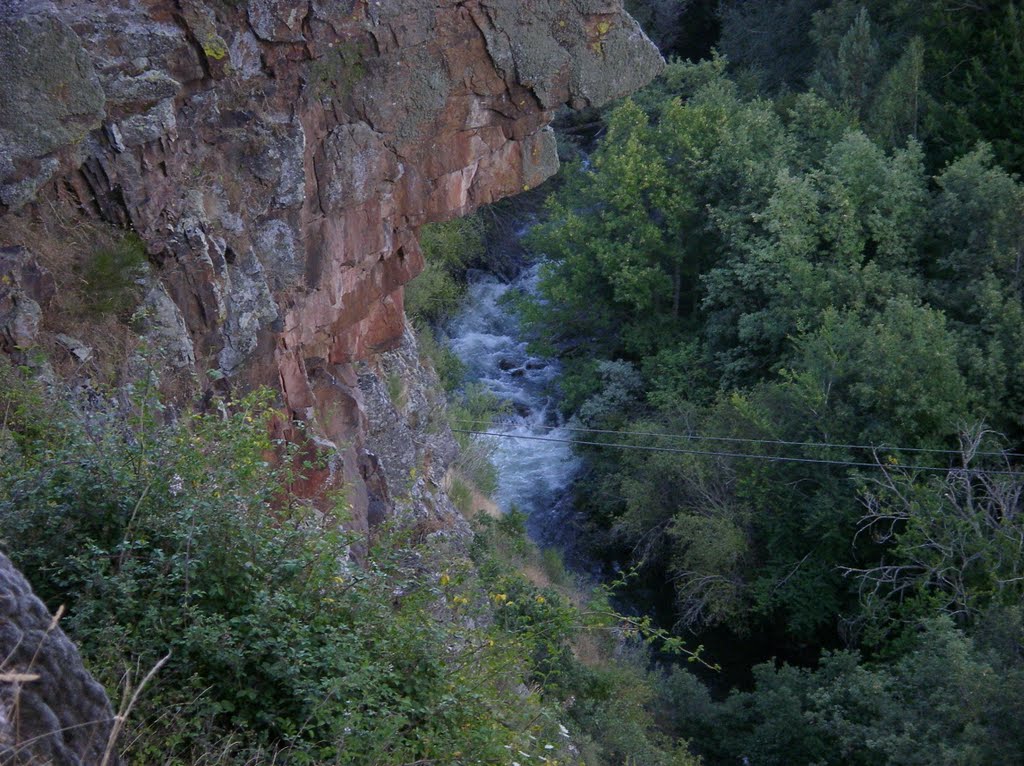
pixel 533 476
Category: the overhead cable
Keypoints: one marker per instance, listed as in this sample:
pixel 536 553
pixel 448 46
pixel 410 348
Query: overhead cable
pixel 770 458
pixel 779 442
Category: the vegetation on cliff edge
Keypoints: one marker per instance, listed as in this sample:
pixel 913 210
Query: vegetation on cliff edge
pixel 180 533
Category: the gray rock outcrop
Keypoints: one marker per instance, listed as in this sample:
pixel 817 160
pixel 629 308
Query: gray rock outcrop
pixel 52 711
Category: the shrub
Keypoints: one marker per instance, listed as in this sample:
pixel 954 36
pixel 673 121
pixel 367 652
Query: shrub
pixel 109 277
pixel 446 364
pixel 474 410
pixel 448 249
pixel 613 701
pixel 186 538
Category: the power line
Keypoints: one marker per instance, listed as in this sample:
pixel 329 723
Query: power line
pixel 770 458
pixel 779 442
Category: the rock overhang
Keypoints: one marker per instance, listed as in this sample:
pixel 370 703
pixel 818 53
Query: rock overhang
pixel 277 158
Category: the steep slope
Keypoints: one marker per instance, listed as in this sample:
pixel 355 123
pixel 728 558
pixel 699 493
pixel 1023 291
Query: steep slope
pixel 275 158
pixel 225 194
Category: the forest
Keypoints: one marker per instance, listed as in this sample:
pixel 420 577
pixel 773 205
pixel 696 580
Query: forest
pixel 786 285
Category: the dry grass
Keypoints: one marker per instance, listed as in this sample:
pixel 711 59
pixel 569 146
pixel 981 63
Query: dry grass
pixel 477 502
pixel 482 504
pixel 129 697
pixel 590 648
pixel 535 574
pixel 62 242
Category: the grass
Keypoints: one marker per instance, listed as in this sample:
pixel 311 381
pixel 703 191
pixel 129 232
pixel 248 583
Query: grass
pixel 94 268
pixel 396 391
pixel 449 368
pixel 448 249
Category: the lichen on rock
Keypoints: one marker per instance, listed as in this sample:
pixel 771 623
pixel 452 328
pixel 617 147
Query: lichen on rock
pixel 50 98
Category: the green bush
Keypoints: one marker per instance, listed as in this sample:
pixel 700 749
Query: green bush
pixel 446 364
pixel 448 249
pixel 554 567
pixel 474 409
pixel 944 701
pixel 110 274
pixel 461 496
pixel 614 702
pixel 186 539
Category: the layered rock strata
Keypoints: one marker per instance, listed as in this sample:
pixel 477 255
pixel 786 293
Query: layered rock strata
pixel 273 161
pixel 277 157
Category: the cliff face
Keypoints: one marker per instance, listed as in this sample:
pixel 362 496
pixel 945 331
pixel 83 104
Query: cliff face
pixel 267 164
pixel 276 158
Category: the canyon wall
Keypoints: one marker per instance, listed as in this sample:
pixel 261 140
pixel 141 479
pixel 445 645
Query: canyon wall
pixel 275 158
pixel 252 175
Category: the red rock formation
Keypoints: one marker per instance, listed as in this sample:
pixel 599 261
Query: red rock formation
pixel 277 158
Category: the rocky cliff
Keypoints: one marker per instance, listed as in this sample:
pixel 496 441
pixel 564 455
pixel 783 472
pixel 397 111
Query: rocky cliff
pixel 228 193
pixel 51 710
pixel 275 159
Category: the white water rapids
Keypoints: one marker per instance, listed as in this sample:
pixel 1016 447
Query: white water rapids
pixel 532 475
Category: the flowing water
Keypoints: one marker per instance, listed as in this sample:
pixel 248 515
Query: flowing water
pixel 534 476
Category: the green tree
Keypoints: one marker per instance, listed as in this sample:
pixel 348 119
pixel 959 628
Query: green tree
pixel 976 68
pixel 941 702
pixel 952 540
pixel 976 242
pixel 856 60
pixel 896 112
pixel 770 38
pixel 845 236
pixel 834 291
pixel 628 236
pixel 615 240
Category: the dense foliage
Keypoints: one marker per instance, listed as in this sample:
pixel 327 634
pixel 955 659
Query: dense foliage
pixel 948 699
pixel 799 280
pixel 954 70
pixel 448 249
pixel 181 534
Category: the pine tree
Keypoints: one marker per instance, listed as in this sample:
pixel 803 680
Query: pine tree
pixel 857 59
pixel 896 111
